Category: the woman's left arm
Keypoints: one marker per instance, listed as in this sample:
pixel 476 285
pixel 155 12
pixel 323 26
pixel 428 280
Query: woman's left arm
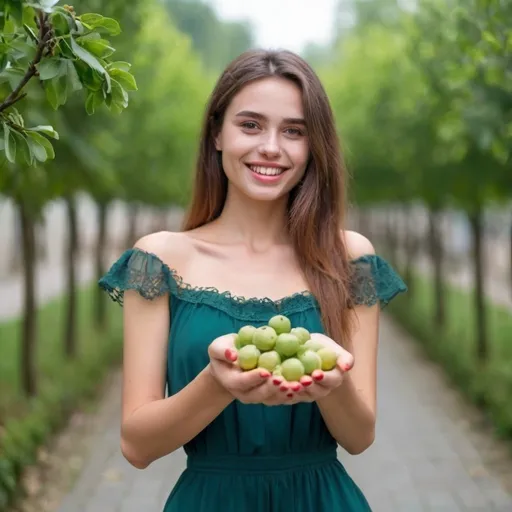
pixel 349 411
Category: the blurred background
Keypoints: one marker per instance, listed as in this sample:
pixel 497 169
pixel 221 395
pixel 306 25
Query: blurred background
pixel 100 120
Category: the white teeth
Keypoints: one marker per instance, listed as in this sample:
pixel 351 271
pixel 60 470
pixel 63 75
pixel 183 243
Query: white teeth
pixel 267 171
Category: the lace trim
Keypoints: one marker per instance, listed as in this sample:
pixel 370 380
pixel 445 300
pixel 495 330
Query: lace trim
pixel 373 281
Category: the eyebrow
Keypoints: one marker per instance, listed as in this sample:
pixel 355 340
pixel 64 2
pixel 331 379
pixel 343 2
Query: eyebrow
pixel 257 115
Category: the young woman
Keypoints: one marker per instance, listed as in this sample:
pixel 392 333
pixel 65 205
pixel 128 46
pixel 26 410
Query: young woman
pixel 263 236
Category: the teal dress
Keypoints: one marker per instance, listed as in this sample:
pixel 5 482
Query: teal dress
pixel 251 458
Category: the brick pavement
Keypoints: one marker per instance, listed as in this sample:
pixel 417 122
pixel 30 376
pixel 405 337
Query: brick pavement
pixel 430 453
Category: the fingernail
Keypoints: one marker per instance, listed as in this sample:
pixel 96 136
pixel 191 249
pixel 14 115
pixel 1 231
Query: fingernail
pixel 296 387
pixel 346 367
pixel 284 388
pixel 290 395
pixel 276 382
pixel 307 383
pixel 318 376
pixel 230 354
pixel 264 375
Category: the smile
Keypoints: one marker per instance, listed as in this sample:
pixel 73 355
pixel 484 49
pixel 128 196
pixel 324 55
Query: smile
pixel 266 171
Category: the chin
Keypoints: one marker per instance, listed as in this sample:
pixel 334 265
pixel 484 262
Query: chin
pixel 265 195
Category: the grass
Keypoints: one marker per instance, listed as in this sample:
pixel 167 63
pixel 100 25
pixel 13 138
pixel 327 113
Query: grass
pixel 64 386
pixel 51 364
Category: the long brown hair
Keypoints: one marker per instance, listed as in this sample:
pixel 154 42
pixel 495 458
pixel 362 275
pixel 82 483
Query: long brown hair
pixel 316 205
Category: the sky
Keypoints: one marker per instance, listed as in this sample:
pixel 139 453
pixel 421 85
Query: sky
pixel 288 24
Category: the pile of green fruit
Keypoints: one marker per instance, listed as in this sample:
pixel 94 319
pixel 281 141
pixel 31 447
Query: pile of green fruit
pixel 282 350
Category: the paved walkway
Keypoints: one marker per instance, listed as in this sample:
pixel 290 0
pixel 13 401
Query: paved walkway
pixel 430 454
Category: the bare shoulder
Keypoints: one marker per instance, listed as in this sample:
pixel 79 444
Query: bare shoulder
pixel 173 248
pixel 357 245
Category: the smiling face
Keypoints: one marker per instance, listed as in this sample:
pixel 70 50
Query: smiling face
pixel 263 139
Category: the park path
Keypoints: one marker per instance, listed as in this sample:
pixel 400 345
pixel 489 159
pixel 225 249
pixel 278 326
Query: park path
pixel 431 451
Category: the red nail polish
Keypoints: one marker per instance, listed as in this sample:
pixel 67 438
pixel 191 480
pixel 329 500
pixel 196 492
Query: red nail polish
pixel 307 383
pixel 230 354
pixel 319 376
pixel 284 388
pixel 276 382
pixel 290 395
pixel 347 367
pixel 296 387
pixel 264 375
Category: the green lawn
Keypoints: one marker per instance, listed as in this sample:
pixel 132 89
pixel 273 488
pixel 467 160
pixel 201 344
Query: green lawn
pixel 53 369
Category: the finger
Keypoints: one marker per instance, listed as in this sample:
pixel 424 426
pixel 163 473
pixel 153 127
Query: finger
pixel 345 361
pixel 331 379
pixel 223 348
pixel 306 381
pixel 252 379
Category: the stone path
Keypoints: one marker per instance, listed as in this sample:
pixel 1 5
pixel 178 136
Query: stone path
pixel 432 451
pixel 431 454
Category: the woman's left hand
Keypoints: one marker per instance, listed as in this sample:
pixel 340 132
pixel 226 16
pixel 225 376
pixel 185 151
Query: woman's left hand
pixel 320 383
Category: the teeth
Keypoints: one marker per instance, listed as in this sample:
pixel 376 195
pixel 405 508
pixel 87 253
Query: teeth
pixel 267 171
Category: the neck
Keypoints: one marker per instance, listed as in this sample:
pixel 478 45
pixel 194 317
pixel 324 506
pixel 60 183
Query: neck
pixel 255 224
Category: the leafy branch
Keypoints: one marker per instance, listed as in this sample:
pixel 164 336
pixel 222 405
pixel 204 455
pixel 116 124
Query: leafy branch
pixel 67 53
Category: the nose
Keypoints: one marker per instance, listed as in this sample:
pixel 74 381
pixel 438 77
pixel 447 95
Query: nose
pixel 270 146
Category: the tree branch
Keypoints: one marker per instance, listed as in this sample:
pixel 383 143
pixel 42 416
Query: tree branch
pixel 44 36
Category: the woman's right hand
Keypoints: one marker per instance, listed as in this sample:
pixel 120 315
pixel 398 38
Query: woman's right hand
pixel 249 387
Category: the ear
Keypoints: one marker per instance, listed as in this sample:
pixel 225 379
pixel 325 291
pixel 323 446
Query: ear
pixel 218 145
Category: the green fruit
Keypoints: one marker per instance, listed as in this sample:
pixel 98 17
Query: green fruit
pixel 328 358
pixel 248 357
pixel 269 360
pixel 245 335
pixel 264 338
pixel 287 344
pixel 311 361
pixel 314 345
pixel 277 371
pixel 301 333
pixel 292 369
pixel 280 323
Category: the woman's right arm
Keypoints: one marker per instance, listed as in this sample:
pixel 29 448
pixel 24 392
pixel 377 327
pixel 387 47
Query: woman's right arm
pixel 152 425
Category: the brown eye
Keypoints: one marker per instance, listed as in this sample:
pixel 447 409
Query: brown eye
pixel 250 125
pixel 294 132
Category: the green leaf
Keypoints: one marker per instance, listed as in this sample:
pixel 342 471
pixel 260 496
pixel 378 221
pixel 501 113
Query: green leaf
pixel 21 50
pixel 73 80
pixel 12 75
pixel 51 68
pixel 97 22
pixel 56 91
pixel 91 61
pixel 37 141
pixel 62 23
pixel 91 18
pixel 100 48
pixel 110 25
pixel 123 66
pixel 93 101
pixel 125 79
pixel 10 144
pixel 23 152
pixel 46 130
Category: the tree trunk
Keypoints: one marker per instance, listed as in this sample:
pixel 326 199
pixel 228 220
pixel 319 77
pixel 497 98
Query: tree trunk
pixel 410 249
pixel 475 220
pixel 28 341
pixel 131 234
pixel 436 255
pixel 100 296
pixel 71 252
